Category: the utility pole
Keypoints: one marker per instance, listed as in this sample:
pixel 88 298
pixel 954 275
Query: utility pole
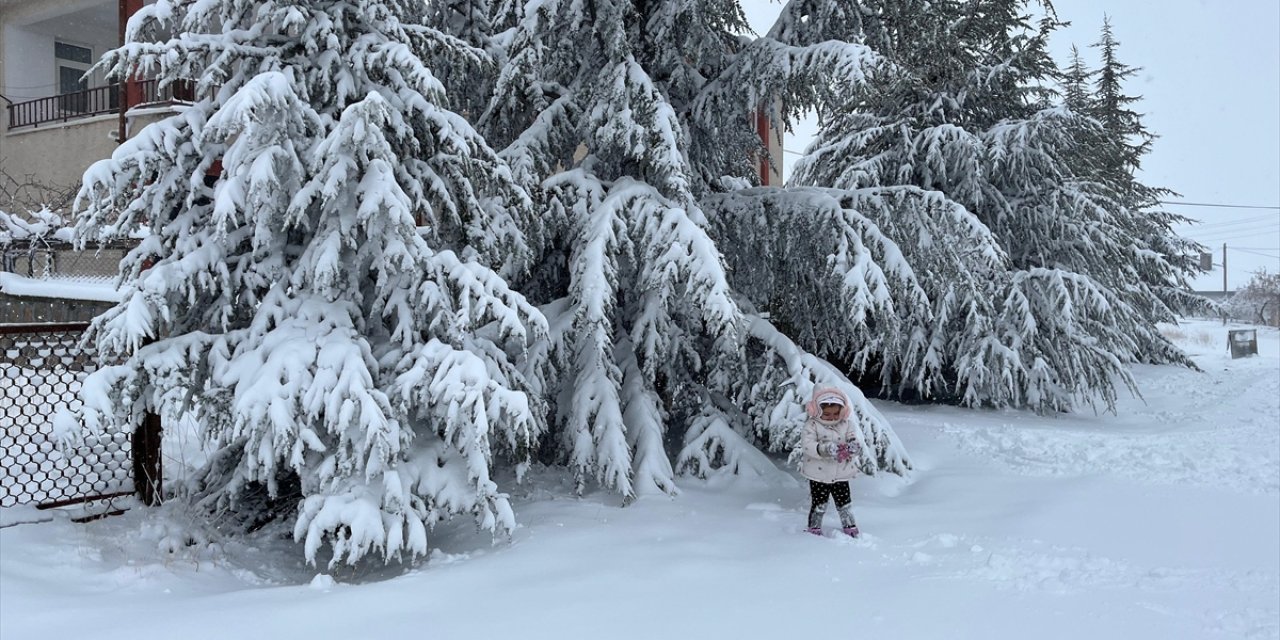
pixel 129 90
pixel 1224 282
pixel 1224 271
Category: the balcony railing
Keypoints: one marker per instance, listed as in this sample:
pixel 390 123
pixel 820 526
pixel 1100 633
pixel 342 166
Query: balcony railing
pixel 91 102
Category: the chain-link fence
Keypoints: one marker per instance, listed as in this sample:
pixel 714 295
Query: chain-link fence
pixel 61 275
pixel 41 370
pixel 50 259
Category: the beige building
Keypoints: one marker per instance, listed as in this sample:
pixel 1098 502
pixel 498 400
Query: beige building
pixel 57 120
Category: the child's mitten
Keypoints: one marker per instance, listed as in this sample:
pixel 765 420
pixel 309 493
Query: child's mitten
pixel 829 449
pixel 843 452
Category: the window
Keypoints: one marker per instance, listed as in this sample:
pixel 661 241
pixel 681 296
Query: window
pixel 73 53
pixel 72 62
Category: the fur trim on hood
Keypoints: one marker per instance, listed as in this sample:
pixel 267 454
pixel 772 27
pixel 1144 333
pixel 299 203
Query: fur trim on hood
pixel 812 407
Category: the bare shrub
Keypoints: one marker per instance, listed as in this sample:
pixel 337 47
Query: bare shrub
pixel 28 192
pixel 1258 301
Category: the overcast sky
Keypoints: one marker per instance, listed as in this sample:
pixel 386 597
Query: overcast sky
pixel 1211 90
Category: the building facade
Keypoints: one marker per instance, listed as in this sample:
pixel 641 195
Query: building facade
pixel 58 116
pixel 57 120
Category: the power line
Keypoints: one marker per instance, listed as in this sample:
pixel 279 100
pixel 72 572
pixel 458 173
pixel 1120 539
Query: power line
pixel 1222 206
pixel 1222 226
pixel 1231 234
pixel 1251 226
pixel 1256 253
pixel 1219 241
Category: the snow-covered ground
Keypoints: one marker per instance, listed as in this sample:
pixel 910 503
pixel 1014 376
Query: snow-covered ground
pixel 1160 522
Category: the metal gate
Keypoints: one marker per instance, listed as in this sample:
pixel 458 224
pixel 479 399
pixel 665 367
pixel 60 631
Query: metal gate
pixel 41 370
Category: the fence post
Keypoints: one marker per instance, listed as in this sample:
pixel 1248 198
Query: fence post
pixel 147 470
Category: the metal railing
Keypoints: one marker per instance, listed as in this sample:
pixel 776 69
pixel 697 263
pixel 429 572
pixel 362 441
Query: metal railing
pixel 92 102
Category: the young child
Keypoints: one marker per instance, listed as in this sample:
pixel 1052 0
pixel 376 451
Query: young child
pixel 830 457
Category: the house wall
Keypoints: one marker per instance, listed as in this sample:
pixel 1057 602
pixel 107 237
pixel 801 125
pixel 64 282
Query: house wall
pixel 52 157
pixel 56 155
pixel 774 141
pixel 770 166
pixel 27 32
pixel 34 77
pixel 34 71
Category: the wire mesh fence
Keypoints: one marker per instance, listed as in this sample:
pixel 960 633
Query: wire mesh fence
pixel 58 283
pixel 41 370
pixel 54 259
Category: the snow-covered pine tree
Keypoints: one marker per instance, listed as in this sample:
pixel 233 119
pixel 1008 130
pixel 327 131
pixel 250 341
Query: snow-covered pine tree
pixel 467 85
pixel 1076 83
pixel 605 106
pixel 813 57
pixel 1123 143
pixel 315 282
pixel 962 109
pixel 1110 105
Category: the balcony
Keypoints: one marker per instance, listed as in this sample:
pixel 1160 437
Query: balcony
pixel 66 107
pixel 49 142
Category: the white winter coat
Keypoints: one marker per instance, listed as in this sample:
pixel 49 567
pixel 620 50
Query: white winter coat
pixel 816 434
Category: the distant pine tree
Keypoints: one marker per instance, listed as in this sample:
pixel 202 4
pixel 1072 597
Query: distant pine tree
pixel 1110 105
pixel 1077 84
pixel 1118 145
pixel 315 284
pixel 1046 310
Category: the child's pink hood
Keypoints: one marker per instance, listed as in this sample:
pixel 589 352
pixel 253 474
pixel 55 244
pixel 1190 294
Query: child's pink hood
pixel 812 406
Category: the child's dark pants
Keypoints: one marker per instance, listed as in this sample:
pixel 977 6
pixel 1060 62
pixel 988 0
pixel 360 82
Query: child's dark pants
pixel 819 492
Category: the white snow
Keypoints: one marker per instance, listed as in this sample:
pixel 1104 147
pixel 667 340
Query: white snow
pixel 100 289
pixel 1162 521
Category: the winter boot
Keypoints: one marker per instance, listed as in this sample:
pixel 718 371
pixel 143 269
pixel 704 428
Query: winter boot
pixel 847 524
pixel 815 518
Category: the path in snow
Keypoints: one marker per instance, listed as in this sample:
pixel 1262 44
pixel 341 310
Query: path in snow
pixel 1181 434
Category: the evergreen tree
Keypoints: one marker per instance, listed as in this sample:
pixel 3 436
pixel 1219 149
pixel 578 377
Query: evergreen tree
pixel 315 283
pixel 630 119
pixel 1120 141
pixel 1111 107
pixel 467 85
pixel 962 109
pixel 1076 84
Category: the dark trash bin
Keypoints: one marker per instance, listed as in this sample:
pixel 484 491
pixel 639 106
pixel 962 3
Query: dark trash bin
pixel 1243 342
